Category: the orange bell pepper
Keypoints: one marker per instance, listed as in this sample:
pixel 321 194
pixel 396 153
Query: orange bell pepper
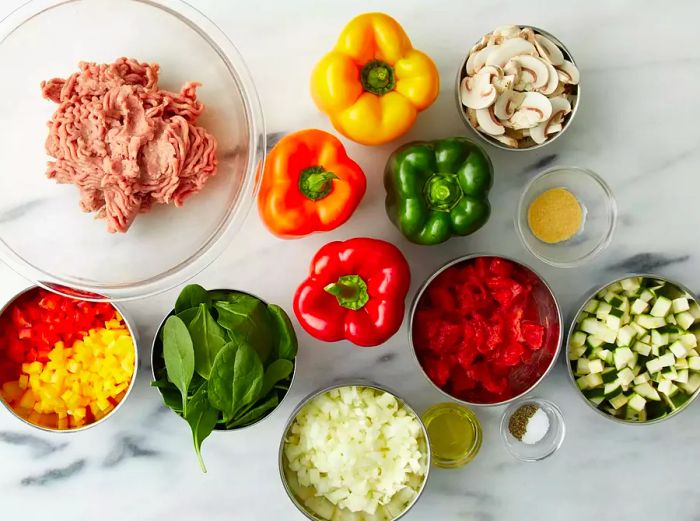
pixel 309 184
pixel 373 83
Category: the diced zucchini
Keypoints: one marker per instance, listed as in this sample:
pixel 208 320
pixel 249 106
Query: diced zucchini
pixel 661 307
pixel 591 306
pixel 671 319
pixel 646 391
pixel 638 307
pixel 646 295
pixel 688 340
pixel 693 352
pixel 646 339
pixel 667 387
pixel 616 301
pixel 613 322
pixel 683 376
pixel 659 339
pixel 582 382
pixel 692 385
pixel 594 395
pixel 608 375
pixel 625 376
pixel 667 360
pixel 603 310
pixel 654 365
pixel 681 363
pixel 625 335
pixel 594 341
pixel 583 366
pixel 595 366
pixel 605 355
pixel 656 410
pixel 650 322
pixel 695 309
pixel 618 400
pixel 680 304
pixel 694 363
pixel 642 378
pixel 678 349
pixel 622 357
pixel 669 373
pixel 631 284
pixel 578 339
pixel 612 387
pixel 576 352
pixel 641 348
pixel 685 319
pixel 617 312
pixel 594 327
pixel 594 380
pixel 636 402
pixel 639 329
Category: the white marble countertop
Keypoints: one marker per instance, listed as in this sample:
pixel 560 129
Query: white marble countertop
pixel 640 66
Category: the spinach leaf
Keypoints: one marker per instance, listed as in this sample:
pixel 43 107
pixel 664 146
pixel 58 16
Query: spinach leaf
pixel 191 297
pixel 236 378
pixel 202 418
pixel 247 318
pixel 208 339
pixel 217 294
pixel 285 335
pixel 276 372
pixel 255 413
pixel 188 315
pixel 170 394
pixel 178 354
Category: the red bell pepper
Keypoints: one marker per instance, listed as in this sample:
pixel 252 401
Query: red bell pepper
pixel 355 291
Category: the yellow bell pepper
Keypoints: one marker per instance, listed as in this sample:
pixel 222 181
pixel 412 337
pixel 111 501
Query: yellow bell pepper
pixel 373 83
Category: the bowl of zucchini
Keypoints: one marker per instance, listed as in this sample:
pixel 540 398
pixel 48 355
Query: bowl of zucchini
pixel 633 349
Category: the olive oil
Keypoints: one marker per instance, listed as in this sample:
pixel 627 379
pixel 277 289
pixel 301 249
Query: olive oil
pixel 455 434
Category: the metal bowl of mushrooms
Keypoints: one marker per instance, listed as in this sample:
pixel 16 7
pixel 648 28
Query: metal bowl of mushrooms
pixel 518 88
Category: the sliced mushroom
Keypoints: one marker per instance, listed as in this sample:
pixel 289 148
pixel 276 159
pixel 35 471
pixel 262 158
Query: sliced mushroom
pixel 560 107
pixel 479 45
pixel 552 80
pixel 508 31
pixel 534 73
pixel 561 89
pixel 568 73
pixel 488 122
pixel 512 68
pixel 528 34
pixel 504 83
pixel 471 115
pixel 507 103
pixel 507 140
pixel 478 92
pixel 504 52
pixel 549 50
pixel 534 109
pixel 478 59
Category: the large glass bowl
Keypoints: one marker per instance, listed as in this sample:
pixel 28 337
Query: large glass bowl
pixel 43 233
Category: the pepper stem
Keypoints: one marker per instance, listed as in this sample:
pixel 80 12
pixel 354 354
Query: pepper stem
pixel 442 191
pixel 316 182
pixel 377 77
pixel 350 291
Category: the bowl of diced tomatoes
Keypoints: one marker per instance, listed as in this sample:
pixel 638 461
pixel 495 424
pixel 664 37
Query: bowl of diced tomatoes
pixel 485 329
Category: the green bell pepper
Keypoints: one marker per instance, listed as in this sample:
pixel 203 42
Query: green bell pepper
pixel 436 189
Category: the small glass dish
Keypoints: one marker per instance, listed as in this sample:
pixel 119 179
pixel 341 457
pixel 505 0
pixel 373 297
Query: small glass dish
pixel 599 216
pixel 551 441
pixel 458 444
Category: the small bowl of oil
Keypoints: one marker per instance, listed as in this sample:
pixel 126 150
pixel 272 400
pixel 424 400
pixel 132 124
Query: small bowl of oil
pixel 455 434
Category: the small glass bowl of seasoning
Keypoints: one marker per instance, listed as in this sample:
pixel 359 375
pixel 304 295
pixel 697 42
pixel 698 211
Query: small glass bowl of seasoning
pixel 532 429
pixel 566 216
pixel 455 434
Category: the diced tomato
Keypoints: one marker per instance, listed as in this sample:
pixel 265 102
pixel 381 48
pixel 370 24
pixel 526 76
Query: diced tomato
pixel 478 324
pixel 533 334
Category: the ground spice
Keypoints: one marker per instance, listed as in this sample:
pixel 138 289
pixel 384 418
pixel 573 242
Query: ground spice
pixel 517 425
pixel 555 216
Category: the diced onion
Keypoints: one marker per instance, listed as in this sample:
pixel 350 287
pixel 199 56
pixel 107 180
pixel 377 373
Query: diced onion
pixel 357 448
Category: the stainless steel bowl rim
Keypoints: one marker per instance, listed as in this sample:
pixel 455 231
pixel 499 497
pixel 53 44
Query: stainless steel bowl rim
pixel 237 429
pixel 601 247
pixel 135 340
pixel 572 329
pixel 461 73
pixel 465 258
pixel 351 383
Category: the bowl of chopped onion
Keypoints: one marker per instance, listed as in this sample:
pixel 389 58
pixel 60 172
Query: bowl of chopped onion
pixel 354 451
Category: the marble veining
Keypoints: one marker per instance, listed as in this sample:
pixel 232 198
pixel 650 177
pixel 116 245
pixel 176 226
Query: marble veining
pixel 636 126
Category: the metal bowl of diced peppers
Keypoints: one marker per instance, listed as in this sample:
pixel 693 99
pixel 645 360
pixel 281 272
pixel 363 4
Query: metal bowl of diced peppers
pixel 629 378
pixel 57 360
pixel 527 365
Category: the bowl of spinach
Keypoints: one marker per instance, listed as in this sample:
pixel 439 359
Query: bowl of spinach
pixel 223 360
